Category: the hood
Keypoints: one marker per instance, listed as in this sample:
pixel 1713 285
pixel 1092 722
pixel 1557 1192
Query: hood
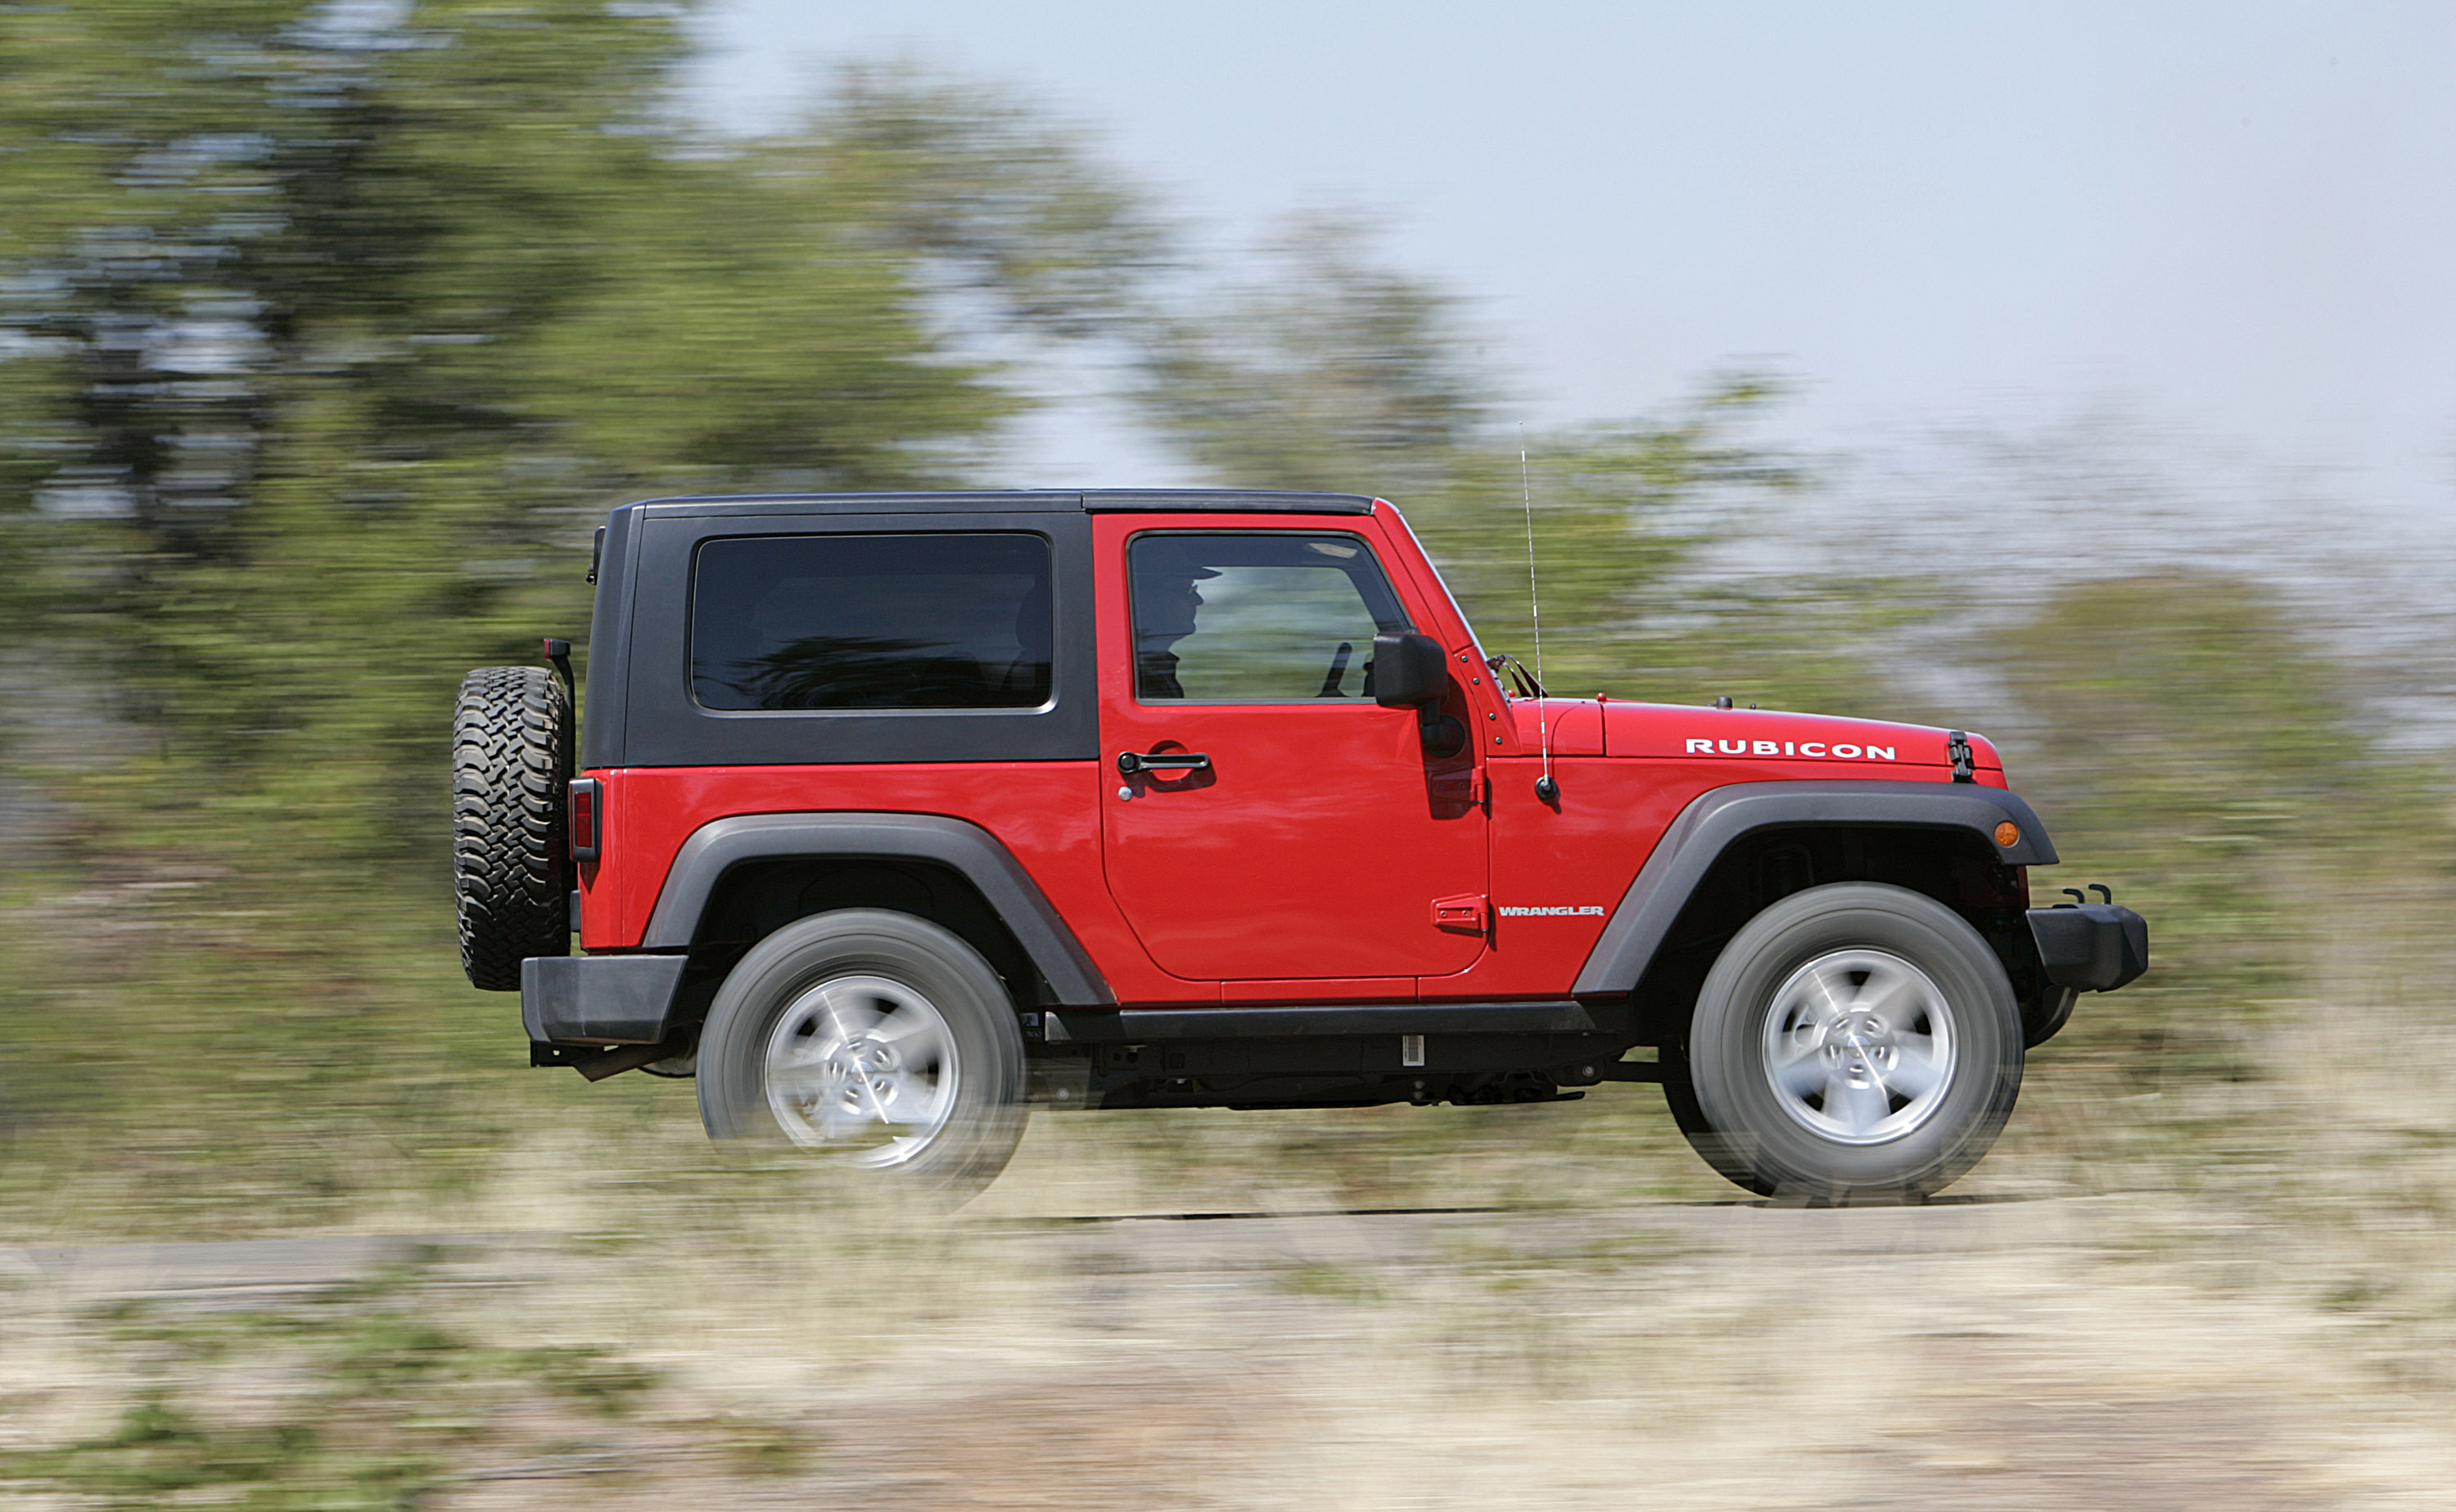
pixel 1680 731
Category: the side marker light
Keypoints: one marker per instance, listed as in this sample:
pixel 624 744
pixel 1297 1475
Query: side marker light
pixel 2008 835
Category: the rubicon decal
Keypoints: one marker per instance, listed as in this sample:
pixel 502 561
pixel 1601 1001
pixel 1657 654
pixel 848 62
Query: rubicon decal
pixel 1554 910
pixel 1816 749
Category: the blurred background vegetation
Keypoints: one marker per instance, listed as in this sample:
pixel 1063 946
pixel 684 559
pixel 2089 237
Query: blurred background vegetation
pixel 327 333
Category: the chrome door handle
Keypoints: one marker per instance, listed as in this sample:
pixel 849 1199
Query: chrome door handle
pixel 1130 762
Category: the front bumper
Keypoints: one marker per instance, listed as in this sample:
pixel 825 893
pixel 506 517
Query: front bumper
pixel 599 999
pixel 2090 947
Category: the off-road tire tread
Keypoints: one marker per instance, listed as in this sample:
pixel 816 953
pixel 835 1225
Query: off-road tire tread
pixel 511 763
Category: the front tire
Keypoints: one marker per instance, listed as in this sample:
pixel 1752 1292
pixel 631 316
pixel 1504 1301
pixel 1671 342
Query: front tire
pixel 877 1037
pixel 1854 1042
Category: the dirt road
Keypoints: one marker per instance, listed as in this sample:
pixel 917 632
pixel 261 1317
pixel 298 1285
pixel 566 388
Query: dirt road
pixel 2016 1353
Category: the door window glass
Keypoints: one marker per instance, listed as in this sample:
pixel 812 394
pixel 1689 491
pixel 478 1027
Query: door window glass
pixel 871 622
pixel 1254 618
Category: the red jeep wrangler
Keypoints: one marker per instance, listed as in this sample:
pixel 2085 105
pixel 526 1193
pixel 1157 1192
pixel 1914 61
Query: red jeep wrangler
pixel 890 807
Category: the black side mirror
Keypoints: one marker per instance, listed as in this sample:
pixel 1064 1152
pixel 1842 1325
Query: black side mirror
pixel 1409 671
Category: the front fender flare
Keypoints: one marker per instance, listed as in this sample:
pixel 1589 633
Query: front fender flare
pixel 968 850
pixel 1720 816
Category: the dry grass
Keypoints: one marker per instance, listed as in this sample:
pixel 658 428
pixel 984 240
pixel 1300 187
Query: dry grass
pixel 2213 1293
pixel 2063 1353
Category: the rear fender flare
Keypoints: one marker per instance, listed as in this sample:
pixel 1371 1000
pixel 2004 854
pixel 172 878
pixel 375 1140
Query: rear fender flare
pixel 968 850
pixel 1721 815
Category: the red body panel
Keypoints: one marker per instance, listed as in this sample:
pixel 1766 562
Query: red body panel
pixel 1834 748
pixel 1321 990
pixel 1564 726
pixel 1491 729
pixel 1576 856
pixel 1306 866
pixel 1315 847
pixel 1559 870
pixel 1045 813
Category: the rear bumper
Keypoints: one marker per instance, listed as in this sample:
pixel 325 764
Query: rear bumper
pixel 599 999
pixel 2089 947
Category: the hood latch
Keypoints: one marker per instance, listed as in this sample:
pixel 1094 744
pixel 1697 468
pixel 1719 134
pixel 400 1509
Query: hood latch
pixel 1965 766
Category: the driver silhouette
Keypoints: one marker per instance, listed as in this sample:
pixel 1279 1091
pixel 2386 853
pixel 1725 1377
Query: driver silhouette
pixel 1165 602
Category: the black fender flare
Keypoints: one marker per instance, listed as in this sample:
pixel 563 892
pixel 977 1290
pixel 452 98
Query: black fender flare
pixel 1718 816
pixel 968 850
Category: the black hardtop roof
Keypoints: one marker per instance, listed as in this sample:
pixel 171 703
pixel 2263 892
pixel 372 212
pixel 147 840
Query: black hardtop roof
pixel 1019 501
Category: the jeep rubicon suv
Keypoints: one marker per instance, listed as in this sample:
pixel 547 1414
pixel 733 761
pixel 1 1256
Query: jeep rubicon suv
pixel 892 808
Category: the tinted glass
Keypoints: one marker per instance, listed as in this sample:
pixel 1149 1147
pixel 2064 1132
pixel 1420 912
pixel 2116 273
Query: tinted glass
pixel 871 622
pixel 1257 619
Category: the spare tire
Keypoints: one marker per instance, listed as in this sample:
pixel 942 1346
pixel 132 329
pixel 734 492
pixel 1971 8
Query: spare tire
pixel 511 863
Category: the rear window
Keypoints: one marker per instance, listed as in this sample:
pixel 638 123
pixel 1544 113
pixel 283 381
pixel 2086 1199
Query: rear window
pixel 871 622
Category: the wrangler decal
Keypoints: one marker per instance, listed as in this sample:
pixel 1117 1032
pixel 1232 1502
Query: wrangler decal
pixel 1554 910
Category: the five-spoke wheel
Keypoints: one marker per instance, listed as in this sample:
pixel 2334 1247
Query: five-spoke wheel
pixel 876 1036
pixel 1852 1042
pixel 863 1064
pixel 1858 1045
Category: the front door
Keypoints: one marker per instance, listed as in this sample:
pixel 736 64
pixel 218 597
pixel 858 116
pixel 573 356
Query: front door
pixel 1318 834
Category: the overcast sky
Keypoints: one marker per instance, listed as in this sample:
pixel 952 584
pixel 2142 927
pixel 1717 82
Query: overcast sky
pixel 2234 219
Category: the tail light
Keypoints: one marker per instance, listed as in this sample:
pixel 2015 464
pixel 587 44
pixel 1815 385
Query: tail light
pixel 587 816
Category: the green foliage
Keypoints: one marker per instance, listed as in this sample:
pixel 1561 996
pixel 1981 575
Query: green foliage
pixel 2191 744
pixel 2195 696
pixel 350 327
pixel 1629 523
pixel 376 1404
pixel 2183 734
pixel 1324 371
pixel 326 334
pixel 1329 371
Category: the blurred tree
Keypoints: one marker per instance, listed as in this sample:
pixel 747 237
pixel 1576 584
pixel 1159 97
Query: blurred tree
pixel 1328 370
pixel 325 331
pixel 323 325
pixel 1323 371
pixel 2189 740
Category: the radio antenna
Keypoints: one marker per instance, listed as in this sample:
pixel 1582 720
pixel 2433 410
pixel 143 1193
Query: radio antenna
pixel 1546 788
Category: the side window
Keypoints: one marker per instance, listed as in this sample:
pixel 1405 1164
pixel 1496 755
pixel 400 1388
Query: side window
pixel 871 622
pixel 1255 618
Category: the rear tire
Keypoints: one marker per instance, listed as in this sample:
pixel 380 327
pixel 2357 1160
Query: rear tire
pixel 1854 1043
pixel 511 863
pixel 877 1037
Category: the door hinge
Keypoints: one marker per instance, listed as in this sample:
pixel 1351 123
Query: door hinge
pixel 1477 790
pixel 1465 913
